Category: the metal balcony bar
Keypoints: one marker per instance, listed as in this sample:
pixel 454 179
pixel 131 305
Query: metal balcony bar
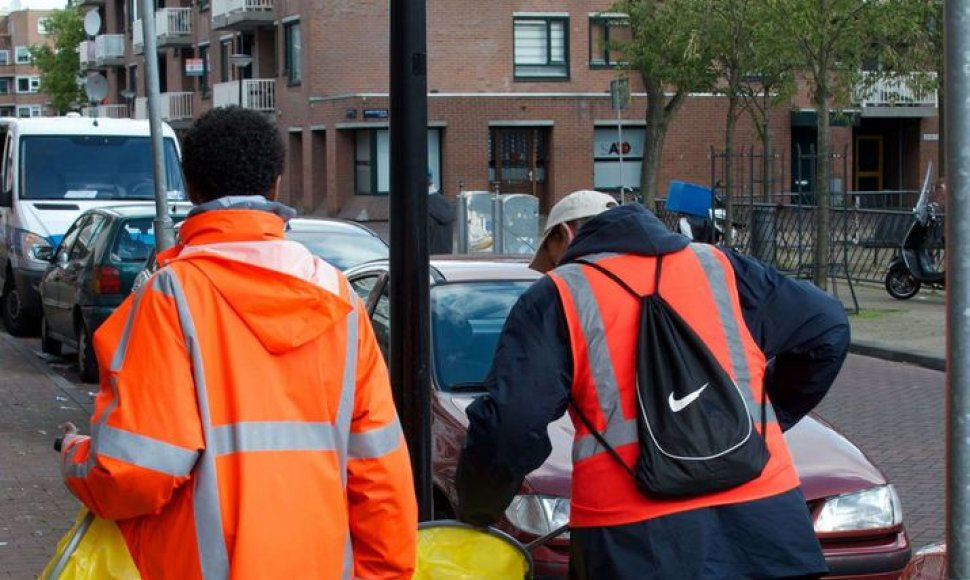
pixel 249 6
pixel 257 94
pixel 173 22
pixel 897 91
pixel 109 111
pixel 241 13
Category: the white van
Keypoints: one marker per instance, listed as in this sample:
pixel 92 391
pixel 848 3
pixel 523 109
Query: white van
pixel 54 168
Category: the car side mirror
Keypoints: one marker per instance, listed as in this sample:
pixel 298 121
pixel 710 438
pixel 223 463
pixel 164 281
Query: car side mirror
pixel 44 253
pixel 6 198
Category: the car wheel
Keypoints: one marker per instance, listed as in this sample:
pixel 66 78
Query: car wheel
pixel 87 363
pixel 48 345
pixel 16 319
pixel 900 283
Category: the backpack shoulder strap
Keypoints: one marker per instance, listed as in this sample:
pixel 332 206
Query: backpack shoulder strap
pixel 620 282
pixel 602 440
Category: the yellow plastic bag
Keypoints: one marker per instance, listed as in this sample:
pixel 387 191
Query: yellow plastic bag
pixel 93 549
pixel 451 550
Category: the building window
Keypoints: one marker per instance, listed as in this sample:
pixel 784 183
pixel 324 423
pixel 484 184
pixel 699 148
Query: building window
pixel 609 148
pixel 7 111
pixel 25 111
pixel 292 62
pixel 4 57
pixel 133 78
pixel 541 48
pixel 42 26
pixel 4 86
pixel 23 55
pixel 28 84
pixel 372 160
pixel 204 78
pixel 225 49
pixel 604 32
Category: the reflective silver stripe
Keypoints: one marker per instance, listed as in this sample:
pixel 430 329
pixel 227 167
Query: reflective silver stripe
pixel 376 442
pixel 618 433
pixel 594 331
pixel 213 554
pixel 345 409
pixel 717 280
pixel 146 452
pixel 252 436
pixel 69 468
pixel 121 351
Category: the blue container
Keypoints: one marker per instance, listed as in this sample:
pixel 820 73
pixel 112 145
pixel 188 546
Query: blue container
pixel 689 198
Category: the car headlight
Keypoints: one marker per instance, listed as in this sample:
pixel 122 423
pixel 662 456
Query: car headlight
pixel 538 514
pixel 870 509
pixel 33 246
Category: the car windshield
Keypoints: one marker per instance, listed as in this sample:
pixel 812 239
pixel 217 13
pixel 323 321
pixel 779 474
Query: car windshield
pixel 97 167
pixel 466 319
pixel 341 250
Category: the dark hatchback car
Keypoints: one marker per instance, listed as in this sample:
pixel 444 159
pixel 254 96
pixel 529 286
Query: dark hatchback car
pixel 91 272
pixel 856 513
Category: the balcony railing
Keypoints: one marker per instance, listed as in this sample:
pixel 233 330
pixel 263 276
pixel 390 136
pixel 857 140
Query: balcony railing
pixel 109 50
pixel 241 13
pixel 85 52
pixel 173 26
pixel 257 94
pixel 109 111
pixel 898 91
pixel 137 37
pixel 172 107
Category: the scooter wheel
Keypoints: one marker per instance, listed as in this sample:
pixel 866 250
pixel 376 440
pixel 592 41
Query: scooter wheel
pixel 900 283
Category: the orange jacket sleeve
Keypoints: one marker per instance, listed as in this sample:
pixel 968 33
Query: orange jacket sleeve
pixel 145 431
pixel 380 488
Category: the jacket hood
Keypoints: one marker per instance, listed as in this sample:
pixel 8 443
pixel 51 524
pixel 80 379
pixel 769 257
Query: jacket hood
pixel 628 229
pixel 284 294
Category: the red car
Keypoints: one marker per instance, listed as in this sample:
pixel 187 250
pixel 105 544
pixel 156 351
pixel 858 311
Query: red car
pixel 857 514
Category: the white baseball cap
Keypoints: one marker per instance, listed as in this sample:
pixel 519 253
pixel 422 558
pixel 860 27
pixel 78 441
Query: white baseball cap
pixel 577 205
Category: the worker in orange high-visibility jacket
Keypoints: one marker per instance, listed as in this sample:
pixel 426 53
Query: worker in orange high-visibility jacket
pixel 245 426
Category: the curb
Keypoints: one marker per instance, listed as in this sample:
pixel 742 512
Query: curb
pixel 892 353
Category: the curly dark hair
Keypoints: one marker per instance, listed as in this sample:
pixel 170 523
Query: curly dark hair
pixel 231 151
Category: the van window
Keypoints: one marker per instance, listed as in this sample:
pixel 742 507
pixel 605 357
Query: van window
pixel 94 167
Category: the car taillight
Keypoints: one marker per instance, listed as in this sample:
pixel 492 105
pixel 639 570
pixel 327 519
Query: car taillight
pixel 107 280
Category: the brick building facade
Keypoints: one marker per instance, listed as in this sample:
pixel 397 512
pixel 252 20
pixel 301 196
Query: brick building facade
pixel 518 98
pixel 20 94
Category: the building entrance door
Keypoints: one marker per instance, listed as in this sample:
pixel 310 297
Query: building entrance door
pixel 868 163
pixel 517 160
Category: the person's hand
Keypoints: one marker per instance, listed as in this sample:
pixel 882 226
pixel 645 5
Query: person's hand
pixel 68 429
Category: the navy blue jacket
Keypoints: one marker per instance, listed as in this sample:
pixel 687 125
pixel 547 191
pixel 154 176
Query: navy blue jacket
pixel 806 332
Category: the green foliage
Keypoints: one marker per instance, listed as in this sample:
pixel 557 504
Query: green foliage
pixel 58 63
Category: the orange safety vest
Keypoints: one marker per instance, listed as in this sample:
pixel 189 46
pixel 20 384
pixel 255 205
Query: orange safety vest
pixel 698 283
pixel 245 426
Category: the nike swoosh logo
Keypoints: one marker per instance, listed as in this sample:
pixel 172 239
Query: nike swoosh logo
pixel 678 405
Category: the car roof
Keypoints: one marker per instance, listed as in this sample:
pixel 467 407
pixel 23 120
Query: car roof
pixel 138 210
pixel 470 267
pixel 329 225
pixel 85 126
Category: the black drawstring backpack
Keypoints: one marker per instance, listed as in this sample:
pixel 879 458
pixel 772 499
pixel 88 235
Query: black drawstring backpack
pixel 695 431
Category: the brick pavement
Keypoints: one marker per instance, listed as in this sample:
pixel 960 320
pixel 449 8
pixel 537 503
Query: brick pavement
pixel 35 507
pixel 895 413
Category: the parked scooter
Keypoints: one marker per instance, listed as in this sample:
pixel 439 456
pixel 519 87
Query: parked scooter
pixel 913 267
pixel 695 218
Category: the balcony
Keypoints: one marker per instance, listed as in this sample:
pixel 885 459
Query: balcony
pixel 257 94
pixel 85 53
pixel 241 14
pixel 106 111
pixel 898 91
pixel 109 50
pixel 173 27
pixel 174 107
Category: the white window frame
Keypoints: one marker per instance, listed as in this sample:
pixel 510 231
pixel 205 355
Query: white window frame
pixel 4 57
pixel 9 88
pixel 22 51
pixel 41 29
pixel 550 63
pixel 33 84
pixel 32 111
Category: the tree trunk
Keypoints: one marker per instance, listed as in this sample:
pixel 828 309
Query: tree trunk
pixel 653 146
pixel 823 176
